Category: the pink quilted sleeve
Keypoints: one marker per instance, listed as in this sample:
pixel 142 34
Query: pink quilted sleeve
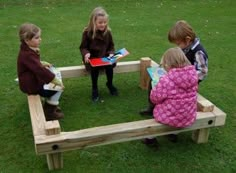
pixel 159 92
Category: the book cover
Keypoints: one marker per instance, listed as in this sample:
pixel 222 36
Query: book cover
pixel 155 74
pixel 109 60
pixel 51 86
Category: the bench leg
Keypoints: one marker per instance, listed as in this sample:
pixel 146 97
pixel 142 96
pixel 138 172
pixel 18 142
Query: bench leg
pixel 200 135
pixel 144 77
pixel 55 161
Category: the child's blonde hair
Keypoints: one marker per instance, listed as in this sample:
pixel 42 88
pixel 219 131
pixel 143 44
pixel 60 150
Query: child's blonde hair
pixel 91 28
pixel 180 31
pixel 174 58
pixel 27 31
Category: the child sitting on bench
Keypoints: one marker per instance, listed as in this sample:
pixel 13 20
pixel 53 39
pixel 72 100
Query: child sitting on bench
pixel 33 73
pixel 175 95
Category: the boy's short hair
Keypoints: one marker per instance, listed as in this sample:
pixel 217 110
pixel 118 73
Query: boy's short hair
pixel 27 31
pixel 180 31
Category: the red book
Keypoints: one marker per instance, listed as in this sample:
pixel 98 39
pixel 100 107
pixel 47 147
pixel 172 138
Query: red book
pixel 95 62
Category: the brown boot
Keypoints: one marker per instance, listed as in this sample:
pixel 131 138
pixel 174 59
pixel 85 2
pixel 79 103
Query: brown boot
pixel 52 112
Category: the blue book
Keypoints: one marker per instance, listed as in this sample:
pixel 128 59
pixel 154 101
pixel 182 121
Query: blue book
pixel 155 74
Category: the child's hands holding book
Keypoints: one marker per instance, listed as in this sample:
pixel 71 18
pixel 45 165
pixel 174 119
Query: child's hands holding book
pixel 86 57
pixel 46 64
pixel 56 81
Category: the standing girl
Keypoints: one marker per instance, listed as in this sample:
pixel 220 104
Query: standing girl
pixel 175 95
pixel 33 73
pixel 97 42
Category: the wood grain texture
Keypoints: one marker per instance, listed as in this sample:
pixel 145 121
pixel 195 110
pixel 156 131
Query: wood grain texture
pixel 115 133
pixel 121 67
pixel 37 115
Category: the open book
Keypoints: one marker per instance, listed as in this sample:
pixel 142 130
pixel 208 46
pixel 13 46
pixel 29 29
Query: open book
pixel 101 61
pixel 51 86
pixel 155 73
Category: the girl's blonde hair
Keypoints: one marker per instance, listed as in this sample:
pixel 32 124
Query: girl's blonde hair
pixel 180 31
pixel 27 31
pixel 174 58
pixel 91 28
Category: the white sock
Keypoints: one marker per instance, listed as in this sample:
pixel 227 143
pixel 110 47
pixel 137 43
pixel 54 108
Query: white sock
pixel 54 100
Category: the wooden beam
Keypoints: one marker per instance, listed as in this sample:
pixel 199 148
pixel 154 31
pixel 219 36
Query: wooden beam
pixel 201 135
pixel 77 71
pixel 73 71
pixel 145 62
pixel 55 160
pixel 114 133
pixel 153 63
pixel 42 127
pixel 37 115
pixel 39 124
pixel 52 127
pixel 204 105
pixel 128 66
pixel 220 116
pixel 51 141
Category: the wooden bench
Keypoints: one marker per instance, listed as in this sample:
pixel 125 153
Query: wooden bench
pixel 49 139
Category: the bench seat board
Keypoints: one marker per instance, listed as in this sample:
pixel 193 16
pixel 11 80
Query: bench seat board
pixel 37 115
pixel 77 71
pixel 115 133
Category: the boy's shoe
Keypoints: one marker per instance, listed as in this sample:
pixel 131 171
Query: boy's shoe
pixel 112 89
pixel 146 112
pixel 151 142
pixel 95 96
pixel 172 137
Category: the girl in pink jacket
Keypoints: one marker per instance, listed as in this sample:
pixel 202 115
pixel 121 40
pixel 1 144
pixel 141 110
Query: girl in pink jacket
pixel 175 95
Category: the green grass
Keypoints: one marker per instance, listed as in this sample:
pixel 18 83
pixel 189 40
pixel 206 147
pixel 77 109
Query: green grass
pixel 140 26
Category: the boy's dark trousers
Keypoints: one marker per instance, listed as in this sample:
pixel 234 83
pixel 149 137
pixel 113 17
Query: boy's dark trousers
pixel 149 109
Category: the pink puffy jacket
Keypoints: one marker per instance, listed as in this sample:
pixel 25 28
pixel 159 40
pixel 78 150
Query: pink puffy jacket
pixel 175 97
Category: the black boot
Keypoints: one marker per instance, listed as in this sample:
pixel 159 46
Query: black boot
pixel 172 137
pixel 112 89
pixel 95 96
pixel 146 112
pixel 151 142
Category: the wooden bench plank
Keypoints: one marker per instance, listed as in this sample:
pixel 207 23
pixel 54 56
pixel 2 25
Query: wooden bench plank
pixel 220 116
pixel 37 115
pixel 52 127
pixel 51 141
pixel 201 135
pixel 55 160
pixel 114 133
pixel 145 62
pixel 204 105
pixel 42 127
pixel 39 124
pixel 77 71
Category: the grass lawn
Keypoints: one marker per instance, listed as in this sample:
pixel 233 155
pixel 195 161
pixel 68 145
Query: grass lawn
pixel 141 26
